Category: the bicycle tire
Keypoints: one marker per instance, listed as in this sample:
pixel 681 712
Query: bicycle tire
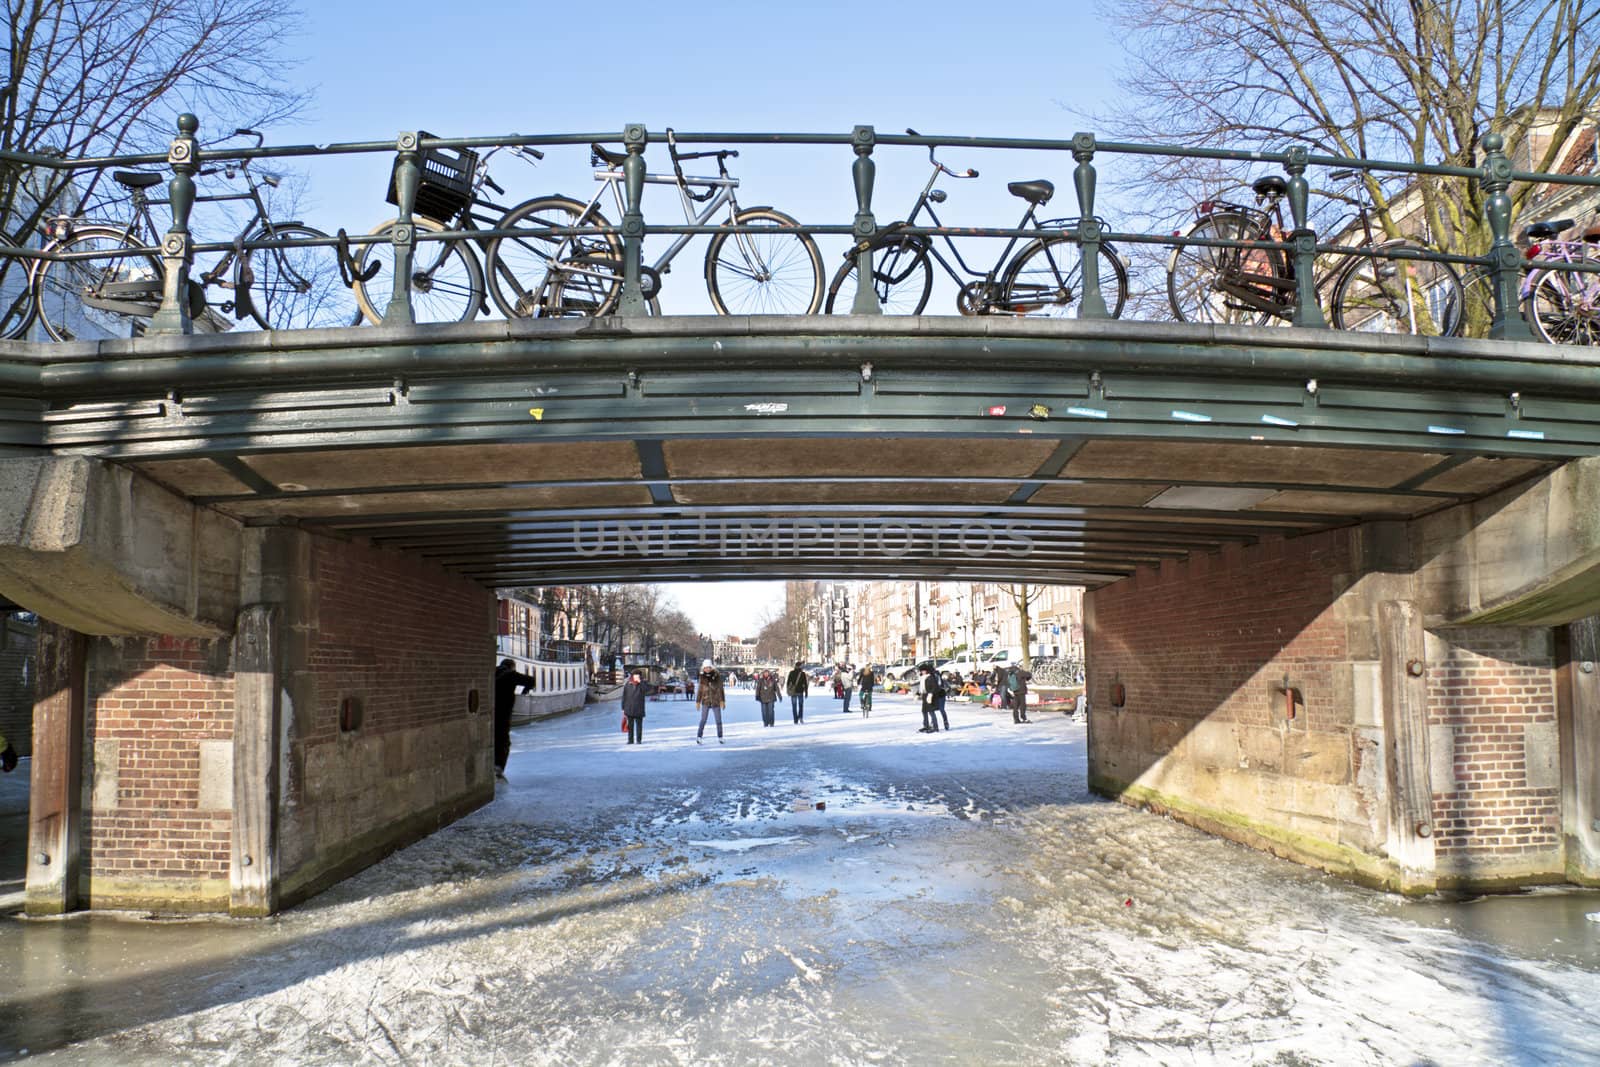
pixel 1047 276
pixel 297 287
pixel 764 274
pixel 1561 312
pixel 1194 272
pixel 902 277
pixel 16 302
pixel 525 273
pixel 447 281
pixel 1380 295
pixel 60 285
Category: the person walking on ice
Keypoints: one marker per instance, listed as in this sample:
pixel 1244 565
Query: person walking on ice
pixel 797 685
pixel 710 699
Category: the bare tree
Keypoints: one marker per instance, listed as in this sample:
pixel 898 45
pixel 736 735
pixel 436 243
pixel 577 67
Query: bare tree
pixel 87 78
pixel 1398 80
pixel 1022 596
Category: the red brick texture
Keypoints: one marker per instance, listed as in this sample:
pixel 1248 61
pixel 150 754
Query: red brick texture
pixel 407 644
pixel 402 640
pixel 1209 639
pixel 1489 690
pixel 152 701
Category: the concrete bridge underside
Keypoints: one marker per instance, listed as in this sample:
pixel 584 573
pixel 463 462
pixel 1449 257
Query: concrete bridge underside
pixel 1337 582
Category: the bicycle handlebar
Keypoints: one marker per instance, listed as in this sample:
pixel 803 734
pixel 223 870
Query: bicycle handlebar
pixel 940 166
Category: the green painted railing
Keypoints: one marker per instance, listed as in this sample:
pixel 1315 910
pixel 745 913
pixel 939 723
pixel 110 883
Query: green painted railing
pixel 1502 263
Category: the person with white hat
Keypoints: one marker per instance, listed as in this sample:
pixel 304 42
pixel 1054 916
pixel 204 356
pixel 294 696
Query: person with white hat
pixel 709 698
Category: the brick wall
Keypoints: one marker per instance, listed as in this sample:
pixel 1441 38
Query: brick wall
pixel 1492 713
pixel 157 709
pixel 407 644
pixel 1204 648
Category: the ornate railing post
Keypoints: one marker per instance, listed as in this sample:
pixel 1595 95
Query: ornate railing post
pixel 177 248
pixel 1503 258
pixel 1307 310
pixel 1093 305
pixel 864 171
pixel 407 173
pixel 632 302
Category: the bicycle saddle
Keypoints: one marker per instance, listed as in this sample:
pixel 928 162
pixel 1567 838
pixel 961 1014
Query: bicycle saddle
pixel 1272 185
pixel 1038 191
pixel 1543 231
pixel 136 179
pixel 610 158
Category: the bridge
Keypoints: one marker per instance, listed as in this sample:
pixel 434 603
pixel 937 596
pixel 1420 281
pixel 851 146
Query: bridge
pixel 1340 582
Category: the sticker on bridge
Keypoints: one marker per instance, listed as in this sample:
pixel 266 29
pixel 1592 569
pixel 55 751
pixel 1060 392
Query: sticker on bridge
pixel 767 408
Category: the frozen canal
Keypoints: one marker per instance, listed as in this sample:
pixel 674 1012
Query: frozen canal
pixel 959 899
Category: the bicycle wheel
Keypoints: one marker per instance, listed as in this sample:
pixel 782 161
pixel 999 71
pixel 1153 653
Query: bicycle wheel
pixel 1564 308
pixel 1046 280
pixel 60 286
pixel 1399 296
pixel 546 274
pixel 296 287
pixel 446 281
pixel 16 308
pixel 776 273
pixel 1195 273
pixel 902 277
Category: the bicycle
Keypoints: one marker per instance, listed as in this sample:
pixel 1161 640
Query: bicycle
pixel 1379 289
pixel 1563 306
pixel 113 276
pixel 774 270
pixel 1045 277
pixel 447 280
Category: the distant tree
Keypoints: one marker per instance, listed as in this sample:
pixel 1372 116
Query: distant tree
pixel 1022 596
pixel 1376 79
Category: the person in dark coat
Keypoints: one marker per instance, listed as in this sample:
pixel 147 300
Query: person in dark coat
pixel 633 694
pixel 506 680
pixel 711 699
pixel 797 685
pixel 767 695
pixel 939 696
pixel 1017 680
pixel 929 690
pixel 8 755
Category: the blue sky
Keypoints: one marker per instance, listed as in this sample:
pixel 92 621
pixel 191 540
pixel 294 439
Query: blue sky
pixel 470 69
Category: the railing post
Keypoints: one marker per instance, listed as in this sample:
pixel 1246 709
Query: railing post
pixel 632 302
pixel 1503 258
pixel 1093 305
pixel 177 248
pixel 864 171
pixel 407 174
pixel 1307 309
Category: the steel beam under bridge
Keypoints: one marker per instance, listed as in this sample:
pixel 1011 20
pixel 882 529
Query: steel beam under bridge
pixel 535 451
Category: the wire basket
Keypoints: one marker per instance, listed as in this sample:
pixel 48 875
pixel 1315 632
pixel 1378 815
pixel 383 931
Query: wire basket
pixel 444 185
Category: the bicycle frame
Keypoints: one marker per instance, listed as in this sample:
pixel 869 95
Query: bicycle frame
pixel 963 270
pixel 722 196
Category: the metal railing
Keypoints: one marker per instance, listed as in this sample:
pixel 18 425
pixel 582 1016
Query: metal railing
pixel 1502 263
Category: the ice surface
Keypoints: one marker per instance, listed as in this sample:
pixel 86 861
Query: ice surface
pixel 960 900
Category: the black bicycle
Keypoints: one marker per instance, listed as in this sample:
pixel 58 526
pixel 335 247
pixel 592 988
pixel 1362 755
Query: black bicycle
pixel 113 285
pixel 1044 278
pixel 1383 287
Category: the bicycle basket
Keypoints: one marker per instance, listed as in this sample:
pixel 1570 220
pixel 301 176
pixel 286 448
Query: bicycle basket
pixel 444 185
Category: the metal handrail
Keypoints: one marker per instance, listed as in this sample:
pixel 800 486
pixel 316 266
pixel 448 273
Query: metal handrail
pixel 1501 262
